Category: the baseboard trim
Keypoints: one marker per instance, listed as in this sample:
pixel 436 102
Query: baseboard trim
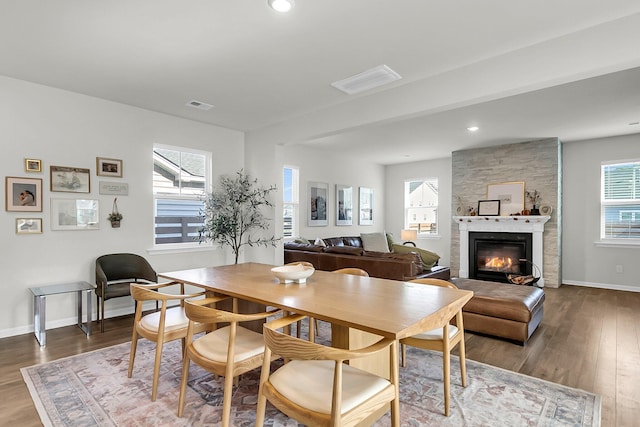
pixel 602 286
pixel 67 321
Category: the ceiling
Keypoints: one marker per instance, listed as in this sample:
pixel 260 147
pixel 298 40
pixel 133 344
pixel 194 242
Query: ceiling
pixel 518 70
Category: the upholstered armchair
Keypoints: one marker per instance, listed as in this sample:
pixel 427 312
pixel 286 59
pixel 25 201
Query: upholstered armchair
pixel 114 274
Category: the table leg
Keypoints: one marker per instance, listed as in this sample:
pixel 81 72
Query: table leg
pixel 39 319
pixel 85 328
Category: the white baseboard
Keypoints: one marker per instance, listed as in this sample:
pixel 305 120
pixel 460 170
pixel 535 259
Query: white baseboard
pixel 602 285
pixel 53 324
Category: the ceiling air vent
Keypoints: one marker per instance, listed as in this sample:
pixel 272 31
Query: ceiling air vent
pixel 377 76
pixel 199 105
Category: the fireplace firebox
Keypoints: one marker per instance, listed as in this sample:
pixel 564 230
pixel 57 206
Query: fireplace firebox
pixel 493 255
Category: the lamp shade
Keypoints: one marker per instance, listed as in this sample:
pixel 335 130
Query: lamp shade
pixel 408 235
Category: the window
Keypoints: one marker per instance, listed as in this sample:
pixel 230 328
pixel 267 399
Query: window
pixel 181 177
pixel 290 202
pixel 620 200
pixel 421 206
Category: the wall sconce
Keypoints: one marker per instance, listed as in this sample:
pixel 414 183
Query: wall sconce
pixel 408 236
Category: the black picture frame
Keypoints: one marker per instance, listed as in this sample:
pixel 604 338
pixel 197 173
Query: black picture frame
pixel 489 208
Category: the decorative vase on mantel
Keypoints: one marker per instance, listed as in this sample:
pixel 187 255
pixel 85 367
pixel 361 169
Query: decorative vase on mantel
pixel 534 210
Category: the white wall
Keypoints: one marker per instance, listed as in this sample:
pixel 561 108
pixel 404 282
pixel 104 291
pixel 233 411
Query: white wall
pixel 396 175
pixel 585 263
pixel 67 129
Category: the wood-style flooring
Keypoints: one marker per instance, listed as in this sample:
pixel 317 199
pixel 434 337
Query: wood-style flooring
pixel 589 339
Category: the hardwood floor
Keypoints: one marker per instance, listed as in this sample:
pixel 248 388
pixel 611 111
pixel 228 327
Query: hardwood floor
pixel 589 339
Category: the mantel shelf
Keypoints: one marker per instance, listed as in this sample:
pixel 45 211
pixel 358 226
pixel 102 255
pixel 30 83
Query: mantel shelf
pixel 504 219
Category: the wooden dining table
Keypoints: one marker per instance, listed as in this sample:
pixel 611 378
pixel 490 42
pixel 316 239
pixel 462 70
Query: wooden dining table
pixel 360 309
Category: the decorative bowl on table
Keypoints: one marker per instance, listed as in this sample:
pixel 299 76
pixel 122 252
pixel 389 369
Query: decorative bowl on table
pixel 296 273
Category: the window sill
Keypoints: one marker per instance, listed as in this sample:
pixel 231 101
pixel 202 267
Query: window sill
pixel 618 243
pixel 180 248
pixel 429 237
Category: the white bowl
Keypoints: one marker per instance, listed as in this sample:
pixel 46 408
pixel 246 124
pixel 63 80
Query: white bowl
pixel 297 273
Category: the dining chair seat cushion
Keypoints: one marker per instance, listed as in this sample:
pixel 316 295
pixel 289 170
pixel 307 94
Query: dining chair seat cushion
pixel 436 334
pixel 309 383
pixel 213 345
pixel 175 319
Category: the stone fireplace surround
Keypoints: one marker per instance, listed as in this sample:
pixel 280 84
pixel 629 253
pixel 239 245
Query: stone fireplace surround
pixel 536 163
pixel 502 224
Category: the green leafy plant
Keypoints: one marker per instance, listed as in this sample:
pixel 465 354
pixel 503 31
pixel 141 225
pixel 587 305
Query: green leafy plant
pixel 234 210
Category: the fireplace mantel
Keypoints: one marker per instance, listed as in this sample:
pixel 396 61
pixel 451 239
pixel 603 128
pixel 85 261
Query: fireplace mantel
pixel 533 224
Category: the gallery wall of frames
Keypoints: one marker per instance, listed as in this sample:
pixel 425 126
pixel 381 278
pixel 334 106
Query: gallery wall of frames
pixel 72 206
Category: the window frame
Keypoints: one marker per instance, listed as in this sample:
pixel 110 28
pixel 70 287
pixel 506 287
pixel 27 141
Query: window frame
pixel 421 234
pixel 207 188
pixel 294 203
pixel 605 203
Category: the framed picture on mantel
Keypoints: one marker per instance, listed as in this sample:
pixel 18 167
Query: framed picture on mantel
pixel 510 194
pixel 488 207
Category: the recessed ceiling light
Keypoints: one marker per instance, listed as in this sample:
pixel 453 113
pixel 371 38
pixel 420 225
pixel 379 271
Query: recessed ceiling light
pixel 473 128
pixel 634 123
pixel 281 5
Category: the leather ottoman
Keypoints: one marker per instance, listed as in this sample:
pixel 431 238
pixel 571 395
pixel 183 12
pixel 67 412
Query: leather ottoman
pixel 502 309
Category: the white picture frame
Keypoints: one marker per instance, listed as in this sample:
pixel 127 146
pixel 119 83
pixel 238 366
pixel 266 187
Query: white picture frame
pixel 510 194
pixel 75 214
pixel 344 205
pixel 318 204
pixel 365 212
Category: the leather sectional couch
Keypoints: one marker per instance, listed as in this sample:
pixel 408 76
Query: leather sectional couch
pixel 343 252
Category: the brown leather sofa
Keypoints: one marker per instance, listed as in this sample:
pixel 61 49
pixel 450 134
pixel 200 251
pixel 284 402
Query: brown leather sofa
pixel 344 252
pixel 502 309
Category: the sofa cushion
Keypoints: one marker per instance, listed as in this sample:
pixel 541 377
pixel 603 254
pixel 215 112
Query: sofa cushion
pixel 429 259
pixel 354 241
pixel 374 242
pixel 333 241
pixel 302 247
pixel 350 250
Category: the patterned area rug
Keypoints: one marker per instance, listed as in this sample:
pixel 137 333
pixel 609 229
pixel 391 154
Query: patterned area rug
pixel 92 389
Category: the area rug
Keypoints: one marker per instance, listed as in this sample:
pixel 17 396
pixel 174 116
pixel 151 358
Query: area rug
pixel 92 389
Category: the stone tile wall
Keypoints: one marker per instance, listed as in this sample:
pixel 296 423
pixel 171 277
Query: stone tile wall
pixel 538 164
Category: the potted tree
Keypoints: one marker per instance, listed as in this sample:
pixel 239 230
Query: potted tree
pixel 233 211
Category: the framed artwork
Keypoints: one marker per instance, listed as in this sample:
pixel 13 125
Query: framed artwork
pixel 317 193
pixel 75 214
pixel 366 206
pixel 32 165
pixel 71 180
pixel 489 207
pixel 510 194
pixel 108 167
pixel 23 194
pixel 114 188
pixel 344 205
pixel 28 225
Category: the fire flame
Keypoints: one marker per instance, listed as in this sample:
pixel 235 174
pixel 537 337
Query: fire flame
pixel 498 263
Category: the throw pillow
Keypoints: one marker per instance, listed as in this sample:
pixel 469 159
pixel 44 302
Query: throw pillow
pixel 320 242
pixel 302 240
pixel 374 242
pixel 429 259
pixel 390 241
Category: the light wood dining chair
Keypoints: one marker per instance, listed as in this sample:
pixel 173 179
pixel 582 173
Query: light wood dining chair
pixel 353 271
pixel 228 351
pixel 317 388
pixel 443 340
pixel 162 326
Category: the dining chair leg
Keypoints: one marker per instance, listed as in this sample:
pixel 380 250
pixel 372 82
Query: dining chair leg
pixel 446 369
pixel 156 368
pixel 132 354
pixel 403 355
pixel 183 383
pixel 102 315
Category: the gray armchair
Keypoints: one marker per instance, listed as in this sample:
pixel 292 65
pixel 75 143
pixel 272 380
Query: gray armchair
pixel 114 273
